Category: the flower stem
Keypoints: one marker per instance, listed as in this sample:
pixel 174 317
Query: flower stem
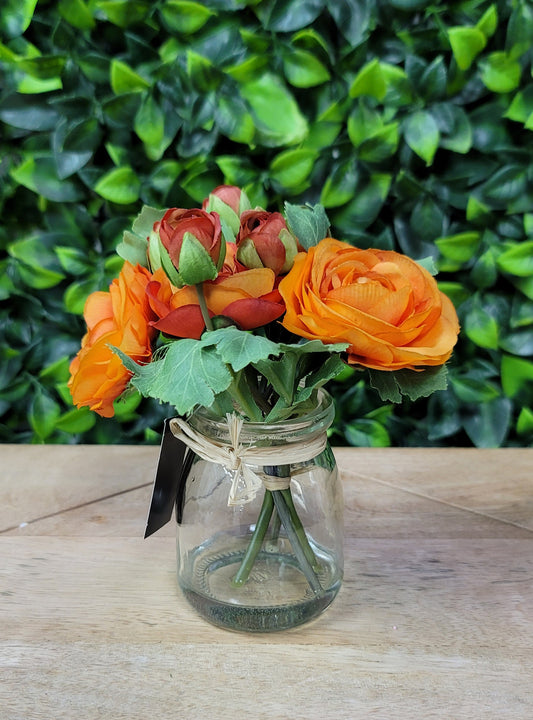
pixel 256 541
pixel 246 403
pixel 299 530
pixel 296 541
pixel 203 306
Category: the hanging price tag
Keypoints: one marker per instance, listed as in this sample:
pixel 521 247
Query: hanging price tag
pixel 174 463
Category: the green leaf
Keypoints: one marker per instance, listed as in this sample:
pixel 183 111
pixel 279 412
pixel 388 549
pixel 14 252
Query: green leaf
pixel 422 135
pixel 341 184
pixel 508 183
pixel 500 73
pixel 39 174
pixel 149 124
pixel 392 385
pixel 519 30
pixel 277 116
pixel 73 260
pixel 301 369
pixel 203 73
pixel 77 293
pixel 76 421
pixel 77 14
pixel 120 185
pixel 366 433
pixel 353 18
pixel 125 80
pixel 516 373
pixel 287 15
pixel 461 247
pixel 291 168
pixel 308 223
pixel 369 81
pixel 43 67
pixel 518 343
pixel 521 106
pixel 474 390
pixel 17 111
pixel 188 375
pixel 481 327
pixel 466 43
pixel 124 13
pixel 518 259
pixel 374 139
pixel 488 423
pixel 185 17
pixel 302 69
pixel 365 207
pixel 234 120
pixel 16 16
pixel 488 23
pixel 524 424
pixel 43 413
pixel 239 348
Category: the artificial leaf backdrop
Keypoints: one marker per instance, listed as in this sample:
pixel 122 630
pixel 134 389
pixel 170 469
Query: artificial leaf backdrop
pixel 412 123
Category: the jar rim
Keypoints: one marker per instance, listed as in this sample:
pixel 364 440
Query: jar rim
pixel 314 421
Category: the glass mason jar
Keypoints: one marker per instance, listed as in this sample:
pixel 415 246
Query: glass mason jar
pixel 275 561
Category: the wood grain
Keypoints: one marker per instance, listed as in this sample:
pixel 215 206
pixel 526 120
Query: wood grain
pixel 434 620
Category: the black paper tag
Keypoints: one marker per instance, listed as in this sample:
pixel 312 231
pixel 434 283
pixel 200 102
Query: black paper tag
pixel 174 463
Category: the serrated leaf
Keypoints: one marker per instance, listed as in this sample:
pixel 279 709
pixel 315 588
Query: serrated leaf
pixel 392 385
pixel 188 375
pixel 308 223
pixel 239 348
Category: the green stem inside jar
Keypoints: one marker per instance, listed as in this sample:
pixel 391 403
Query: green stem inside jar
pixel 286 515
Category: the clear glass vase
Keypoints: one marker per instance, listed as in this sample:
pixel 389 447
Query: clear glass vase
pixel 276 561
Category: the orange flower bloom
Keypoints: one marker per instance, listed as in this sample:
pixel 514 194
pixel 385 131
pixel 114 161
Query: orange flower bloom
pixel 387 307
pixel 121 318
pixel 248 297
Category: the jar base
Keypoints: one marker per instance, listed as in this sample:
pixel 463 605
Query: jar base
pixel 275 597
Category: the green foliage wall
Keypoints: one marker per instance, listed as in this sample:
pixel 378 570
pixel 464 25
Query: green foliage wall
pixel 411 122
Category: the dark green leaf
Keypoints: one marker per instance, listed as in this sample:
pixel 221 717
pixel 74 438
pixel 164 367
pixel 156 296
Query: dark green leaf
pixel 43 413
pixel 487 424
pixel 18 111
pixel 308 223
pixel 422 135
pixel 288 15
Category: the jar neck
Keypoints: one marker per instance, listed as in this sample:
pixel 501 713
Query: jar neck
pixel 303 428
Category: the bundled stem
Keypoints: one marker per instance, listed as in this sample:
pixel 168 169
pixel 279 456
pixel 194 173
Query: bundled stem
pixel 286 515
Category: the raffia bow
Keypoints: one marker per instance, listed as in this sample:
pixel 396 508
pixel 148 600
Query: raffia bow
pixel 237 458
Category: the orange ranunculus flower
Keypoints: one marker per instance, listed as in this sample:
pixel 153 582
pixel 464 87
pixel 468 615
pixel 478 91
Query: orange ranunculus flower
pixel 249 298
pixel 386 306
pixel 121 318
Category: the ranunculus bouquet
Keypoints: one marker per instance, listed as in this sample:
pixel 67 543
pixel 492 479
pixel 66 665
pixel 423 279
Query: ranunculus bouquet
pixel 249 313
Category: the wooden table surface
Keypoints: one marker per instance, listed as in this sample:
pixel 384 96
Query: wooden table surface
pixel 434 620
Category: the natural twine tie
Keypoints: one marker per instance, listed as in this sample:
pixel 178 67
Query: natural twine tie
pixel 237 458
